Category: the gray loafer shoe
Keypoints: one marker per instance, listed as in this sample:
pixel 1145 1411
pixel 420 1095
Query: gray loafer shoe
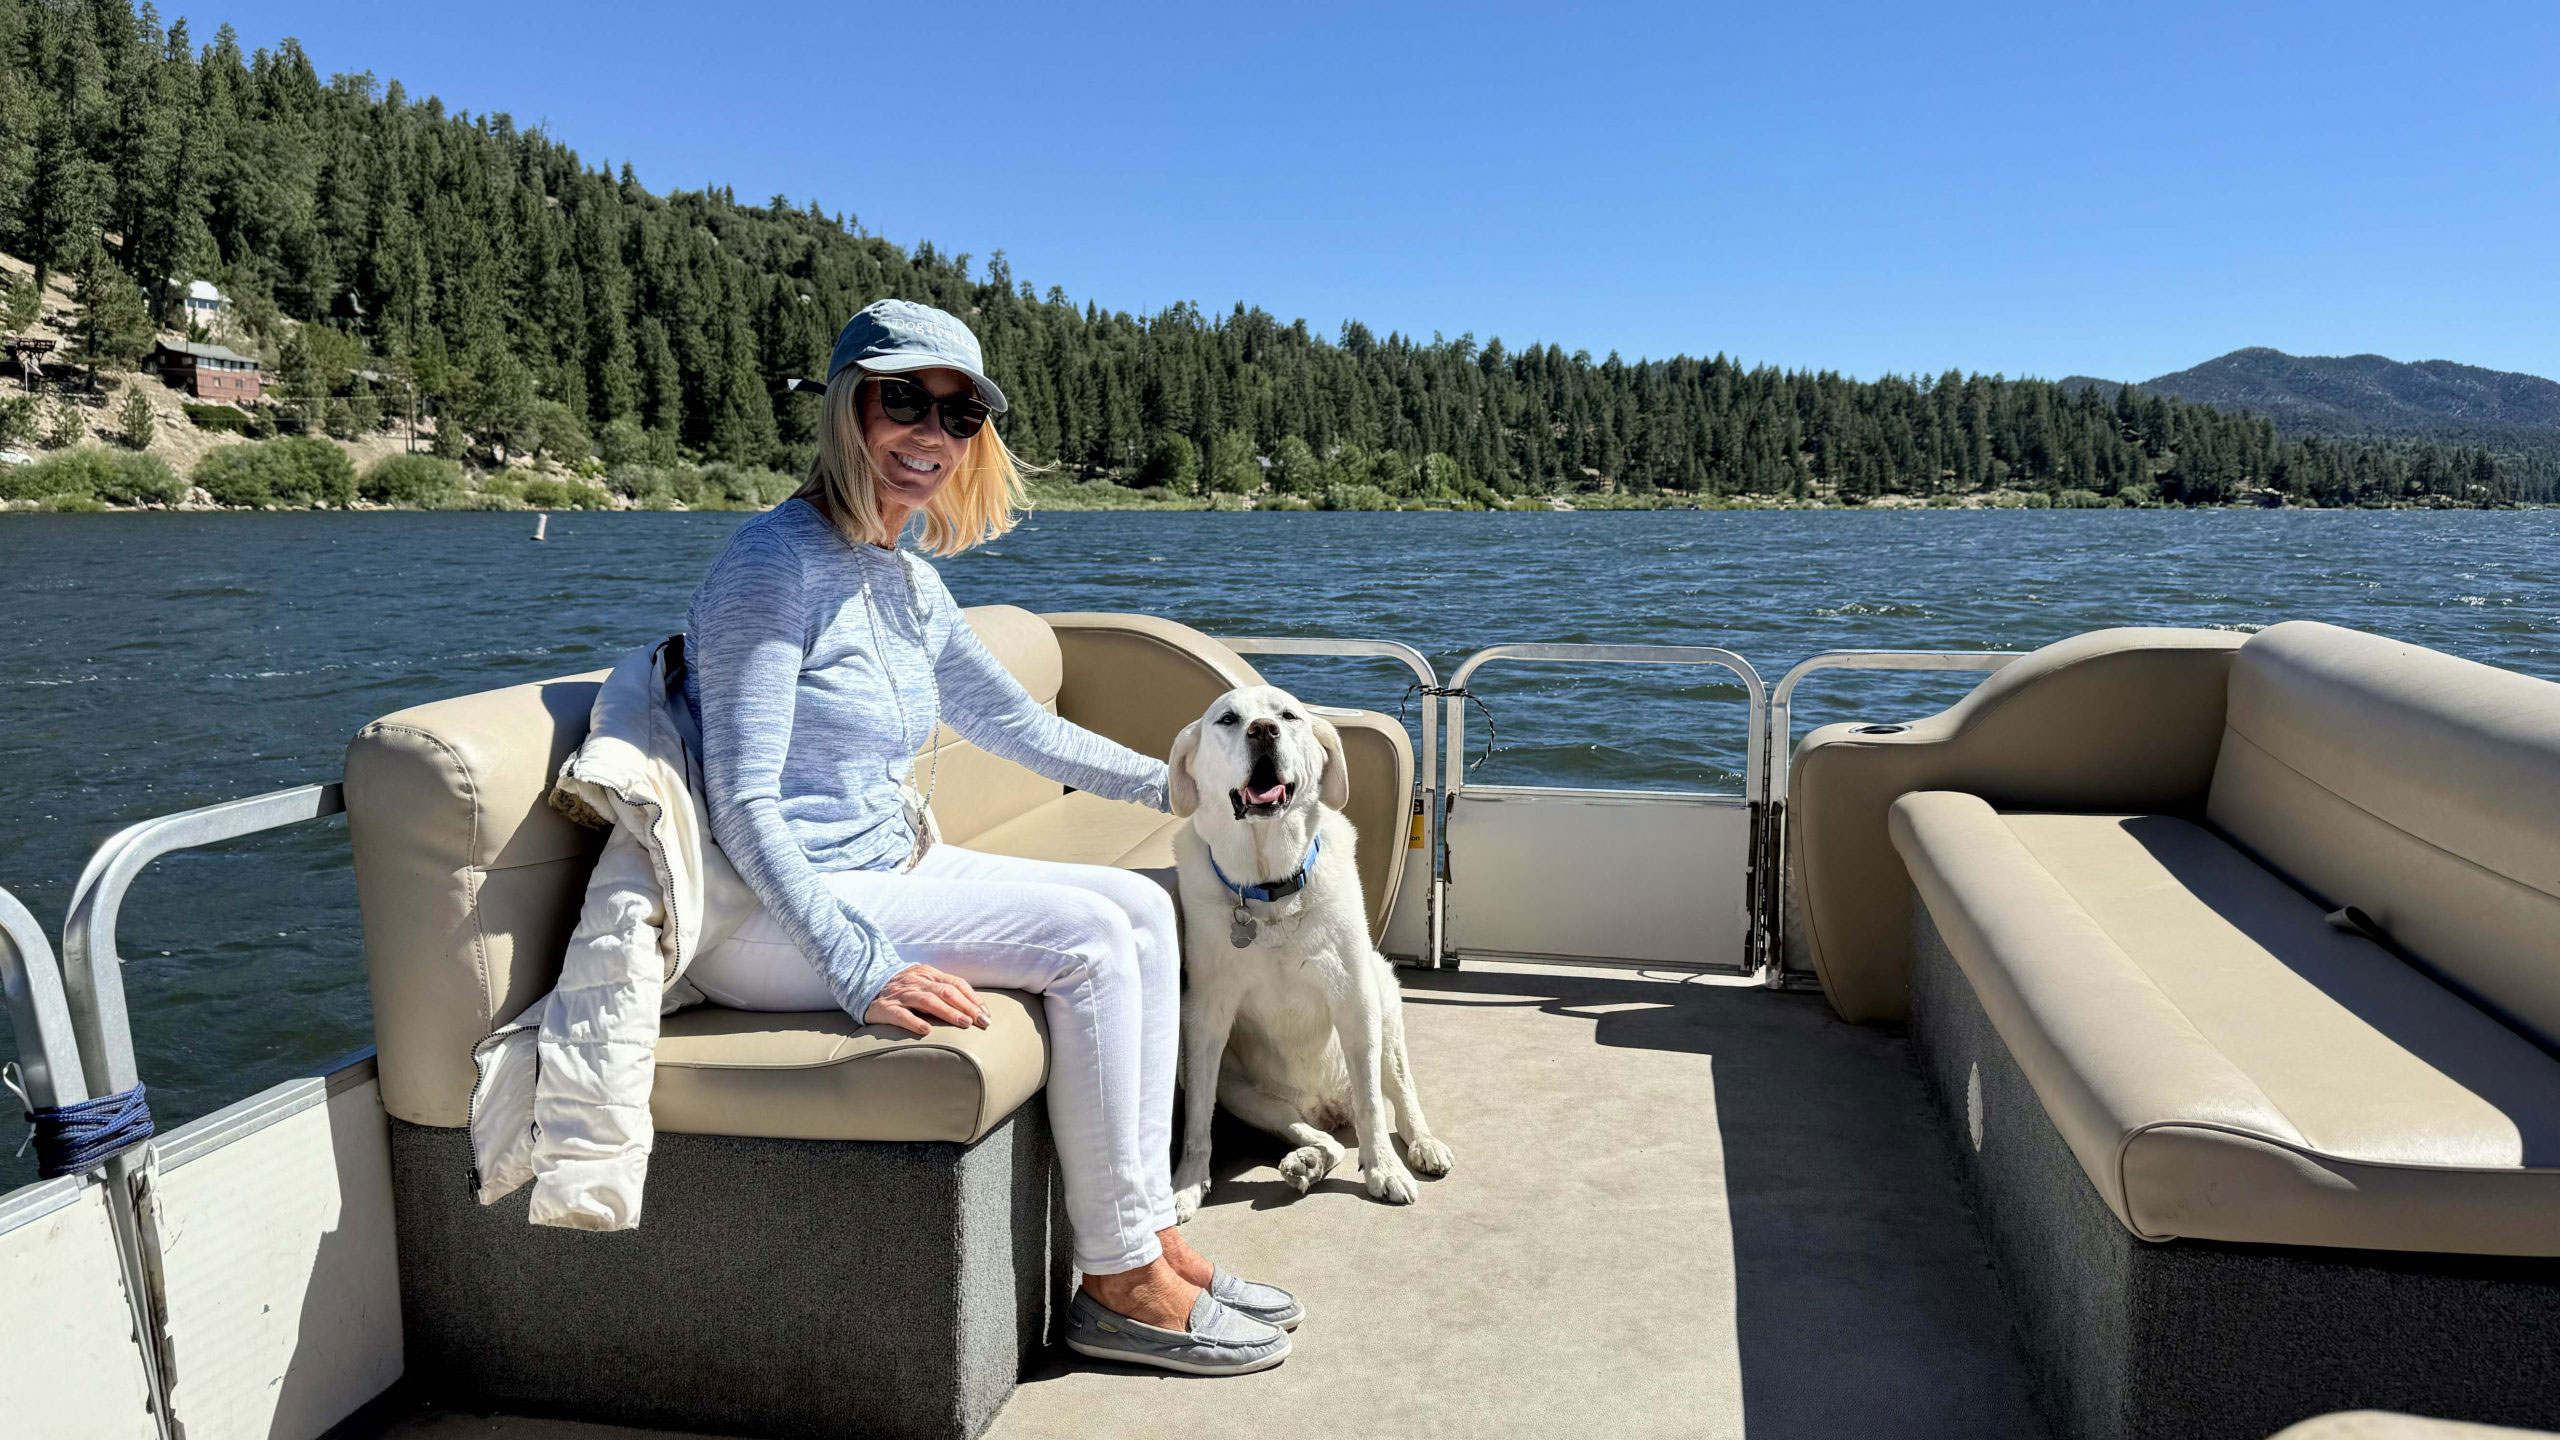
pixel 1219 1341
pixel 1267 1303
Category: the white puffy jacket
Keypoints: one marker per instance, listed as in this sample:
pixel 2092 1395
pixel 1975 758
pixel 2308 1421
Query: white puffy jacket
pixel 562 1097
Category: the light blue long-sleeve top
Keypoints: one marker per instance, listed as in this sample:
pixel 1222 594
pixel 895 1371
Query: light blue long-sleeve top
pixel 810 723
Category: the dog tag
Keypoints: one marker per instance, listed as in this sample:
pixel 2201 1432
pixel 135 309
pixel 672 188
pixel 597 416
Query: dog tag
pixel 1240 928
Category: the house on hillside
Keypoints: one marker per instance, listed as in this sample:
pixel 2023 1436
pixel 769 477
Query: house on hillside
pixel 208 372
pixel 203 302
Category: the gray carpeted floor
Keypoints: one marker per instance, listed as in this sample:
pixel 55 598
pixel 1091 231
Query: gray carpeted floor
pixel 1680 1208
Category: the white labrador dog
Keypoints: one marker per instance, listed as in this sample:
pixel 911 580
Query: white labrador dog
pixel 1293 1021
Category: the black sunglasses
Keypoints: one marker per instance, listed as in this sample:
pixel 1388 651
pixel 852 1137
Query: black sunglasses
pixel 906 402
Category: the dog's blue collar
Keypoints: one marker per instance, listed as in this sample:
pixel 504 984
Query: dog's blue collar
pixel 1277 889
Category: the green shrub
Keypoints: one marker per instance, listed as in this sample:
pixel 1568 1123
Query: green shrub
pixel 297 470
pixel 410 480
pixel 750 486
pixel 476 500
pixel 2080 500
pixel 17 420
pixel 1173 463
pixel 1357 497
pixel 226 418
pixel 546 493
pixel 140 480
pixel 651 484
pixel 64 472
pixel 72 505
pixel 70 427
pixel 2142 493
pixel 94 472
pixel 559 433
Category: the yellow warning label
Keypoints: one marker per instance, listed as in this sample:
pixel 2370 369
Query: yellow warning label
pixel 1414 840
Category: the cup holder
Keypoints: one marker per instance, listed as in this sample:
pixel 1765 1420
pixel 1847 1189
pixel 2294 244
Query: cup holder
pixel 1879 729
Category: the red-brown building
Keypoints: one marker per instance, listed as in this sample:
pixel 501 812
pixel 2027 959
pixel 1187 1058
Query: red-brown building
pixel 209 372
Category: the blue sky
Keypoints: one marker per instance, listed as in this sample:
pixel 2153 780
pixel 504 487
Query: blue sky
pixel 2117 190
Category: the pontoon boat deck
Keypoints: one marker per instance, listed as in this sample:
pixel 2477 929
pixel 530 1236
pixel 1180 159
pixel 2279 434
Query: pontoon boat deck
pixel 2157 1042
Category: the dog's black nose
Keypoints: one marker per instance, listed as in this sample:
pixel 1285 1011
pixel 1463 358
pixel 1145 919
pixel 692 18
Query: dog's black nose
pixel 1262 732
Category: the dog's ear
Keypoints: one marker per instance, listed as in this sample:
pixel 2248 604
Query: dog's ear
pixel 1335 789
pixel 1180 790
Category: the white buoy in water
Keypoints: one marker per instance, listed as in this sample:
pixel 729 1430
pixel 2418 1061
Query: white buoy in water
pixel 540 524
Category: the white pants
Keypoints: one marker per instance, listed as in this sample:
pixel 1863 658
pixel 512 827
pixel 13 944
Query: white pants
pixel 1098 945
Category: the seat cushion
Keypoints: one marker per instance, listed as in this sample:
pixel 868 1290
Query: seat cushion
pixel 2224 1063
pixel 820 1075
pixel 2419 787
pixel 1085 829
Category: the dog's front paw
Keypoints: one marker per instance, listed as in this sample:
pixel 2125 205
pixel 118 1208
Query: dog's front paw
pixel 1186 1201
pixel 1306 1165
pixel 1389 1181
pixel 1429 1156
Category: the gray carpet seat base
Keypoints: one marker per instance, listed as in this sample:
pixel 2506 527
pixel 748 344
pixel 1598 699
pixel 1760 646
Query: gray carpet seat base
pixel 773 1287
pixel 2196 1339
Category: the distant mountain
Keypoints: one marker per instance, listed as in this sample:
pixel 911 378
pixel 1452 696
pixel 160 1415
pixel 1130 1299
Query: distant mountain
pixel 2369 395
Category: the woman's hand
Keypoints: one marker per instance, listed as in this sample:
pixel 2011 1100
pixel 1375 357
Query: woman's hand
pixel 919 995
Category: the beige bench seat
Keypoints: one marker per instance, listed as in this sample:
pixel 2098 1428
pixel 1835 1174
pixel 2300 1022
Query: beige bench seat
pixel 471 885
pixel 2223 1062
pixel 819 1075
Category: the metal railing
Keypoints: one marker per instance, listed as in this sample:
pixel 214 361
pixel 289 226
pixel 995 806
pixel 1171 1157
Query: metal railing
pixel 1754 771
pixel 1772 901
pixel 48 1059
pixel 93 980
pixel 1424 762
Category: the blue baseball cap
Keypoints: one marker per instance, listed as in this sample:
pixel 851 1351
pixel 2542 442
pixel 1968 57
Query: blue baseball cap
pixel 893 337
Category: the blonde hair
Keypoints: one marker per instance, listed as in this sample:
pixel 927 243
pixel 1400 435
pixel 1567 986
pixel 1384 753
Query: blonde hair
pixel 982 499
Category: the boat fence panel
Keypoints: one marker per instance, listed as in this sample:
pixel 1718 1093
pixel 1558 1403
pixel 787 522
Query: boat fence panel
pixel 257 1240
pixel 1786 967
pixel 1595 875
pixel 69 1368
pixel 281 1284
pixel 1414 924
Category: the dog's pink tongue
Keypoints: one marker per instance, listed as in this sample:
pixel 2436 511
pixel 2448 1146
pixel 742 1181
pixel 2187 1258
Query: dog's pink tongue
pixel 1272 796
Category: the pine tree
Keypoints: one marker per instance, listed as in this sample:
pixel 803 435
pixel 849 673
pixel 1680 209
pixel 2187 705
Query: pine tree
pixel 135 422
pixel 114 326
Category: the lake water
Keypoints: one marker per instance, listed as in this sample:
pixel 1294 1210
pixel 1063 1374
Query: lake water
pixel 151 663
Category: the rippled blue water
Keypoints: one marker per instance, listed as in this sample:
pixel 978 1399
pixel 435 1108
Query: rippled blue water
pixel 149 663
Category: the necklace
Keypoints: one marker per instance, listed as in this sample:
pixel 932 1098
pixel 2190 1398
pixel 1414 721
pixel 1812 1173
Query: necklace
pixel 919 807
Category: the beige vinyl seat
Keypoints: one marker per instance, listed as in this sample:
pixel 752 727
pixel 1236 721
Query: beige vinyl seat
pixel 872 1217
pixel 2226 1062
pixel 470 884
pixel 2234 967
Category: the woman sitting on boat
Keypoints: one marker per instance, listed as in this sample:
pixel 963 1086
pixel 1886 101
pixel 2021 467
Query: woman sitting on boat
pixel 824 659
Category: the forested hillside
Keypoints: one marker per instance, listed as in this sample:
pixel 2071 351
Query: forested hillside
pixel 535 298
pixel 2371 395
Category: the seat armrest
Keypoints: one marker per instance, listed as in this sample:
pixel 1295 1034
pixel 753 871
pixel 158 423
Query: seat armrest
pixel 2115 720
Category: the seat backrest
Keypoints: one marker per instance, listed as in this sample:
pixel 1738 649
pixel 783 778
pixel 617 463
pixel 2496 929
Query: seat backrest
pixel 2419 787
pixel 469 882
pixel 977 791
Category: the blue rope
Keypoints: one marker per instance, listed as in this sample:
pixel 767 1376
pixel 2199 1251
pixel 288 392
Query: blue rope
pixel 74 1139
